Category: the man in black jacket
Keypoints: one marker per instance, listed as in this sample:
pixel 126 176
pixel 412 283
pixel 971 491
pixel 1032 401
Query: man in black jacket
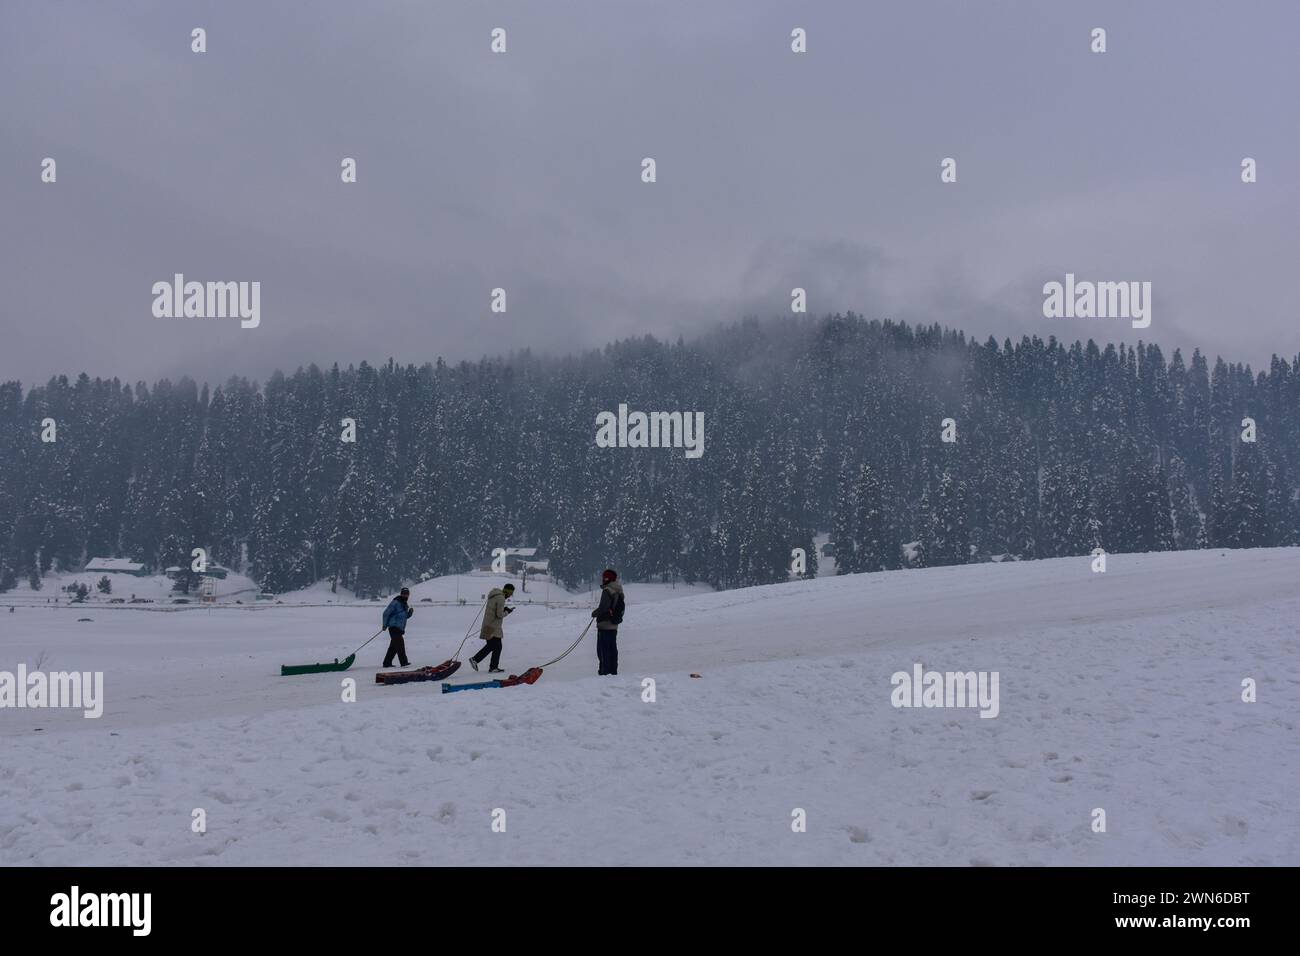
pixel 608 617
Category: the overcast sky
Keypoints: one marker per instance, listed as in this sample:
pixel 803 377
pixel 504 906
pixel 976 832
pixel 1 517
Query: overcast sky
pixel 522 171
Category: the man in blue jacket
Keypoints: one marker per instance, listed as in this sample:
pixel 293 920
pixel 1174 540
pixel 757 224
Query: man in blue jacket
pixel 396 615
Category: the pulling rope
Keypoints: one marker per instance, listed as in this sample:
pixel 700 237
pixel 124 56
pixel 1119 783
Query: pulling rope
pixel 456 656
pixel 377 633
pixel 571 646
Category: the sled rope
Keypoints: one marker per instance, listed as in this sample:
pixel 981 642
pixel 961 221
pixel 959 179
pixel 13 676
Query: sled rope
pixel 376 634
pixel 571 646
pixel 468 632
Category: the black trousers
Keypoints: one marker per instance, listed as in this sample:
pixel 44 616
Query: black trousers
pixel 493 647
pixel 397 646
pixel 607 651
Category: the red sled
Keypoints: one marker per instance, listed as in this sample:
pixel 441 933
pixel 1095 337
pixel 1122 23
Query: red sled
pixel 527 677
pixel 440 672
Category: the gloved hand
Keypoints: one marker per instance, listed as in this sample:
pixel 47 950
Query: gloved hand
pixel 509 610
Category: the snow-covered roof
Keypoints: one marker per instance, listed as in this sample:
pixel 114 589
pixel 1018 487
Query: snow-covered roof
pixel 113 564
pixel 512 553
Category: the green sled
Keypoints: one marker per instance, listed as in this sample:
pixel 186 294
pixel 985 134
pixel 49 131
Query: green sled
pixel 288 670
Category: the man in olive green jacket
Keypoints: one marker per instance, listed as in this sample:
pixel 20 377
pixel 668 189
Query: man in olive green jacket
pixel 494 615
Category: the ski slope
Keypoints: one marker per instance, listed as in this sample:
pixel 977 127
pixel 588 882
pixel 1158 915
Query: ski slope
pixel 1119 691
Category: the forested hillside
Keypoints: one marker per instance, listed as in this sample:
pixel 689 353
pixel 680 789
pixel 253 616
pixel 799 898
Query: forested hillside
pixel 828 425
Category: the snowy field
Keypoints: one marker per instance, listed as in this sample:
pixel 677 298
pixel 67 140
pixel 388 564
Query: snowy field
pixel 1119 691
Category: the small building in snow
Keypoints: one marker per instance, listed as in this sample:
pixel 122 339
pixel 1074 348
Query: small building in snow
pixel 516 559
pixel 116 566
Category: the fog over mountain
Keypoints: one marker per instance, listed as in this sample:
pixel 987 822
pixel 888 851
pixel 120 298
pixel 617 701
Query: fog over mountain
pixel 522 171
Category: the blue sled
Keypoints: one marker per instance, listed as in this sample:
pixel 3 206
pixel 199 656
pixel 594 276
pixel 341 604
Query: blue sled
pixel 448 688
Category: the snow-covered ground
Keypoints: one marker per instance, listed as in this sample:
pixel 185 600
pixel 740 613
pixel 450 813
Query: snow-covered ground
pixel 236 590
pixel 1119 691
